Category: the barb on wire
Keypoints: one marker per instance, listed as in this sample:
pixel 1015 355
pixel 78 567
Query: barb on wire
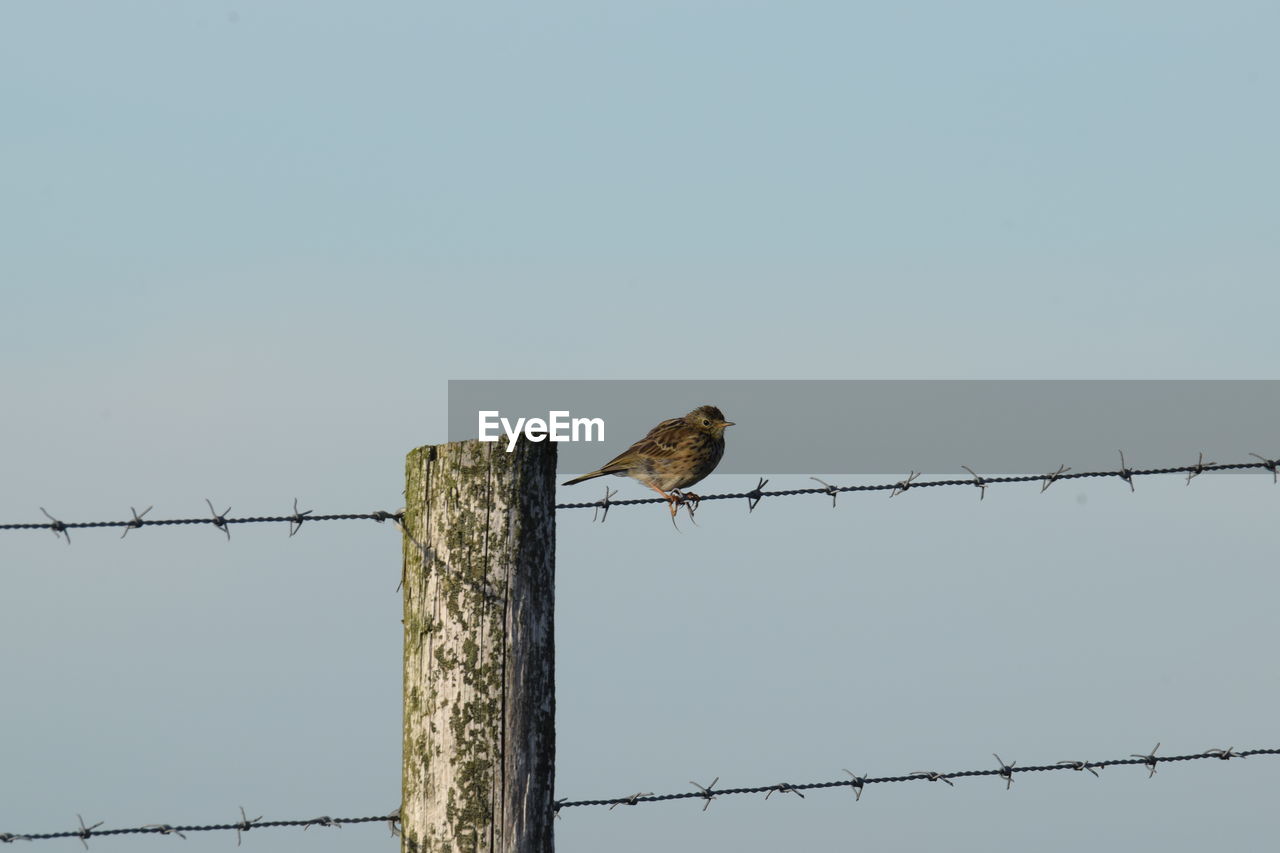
pixel 58 528
pixel 902 485
pixel 137 521
pixel 828 489
pixel 1271 465
pixel 784 788
pixel 1149 760
pixel 857 783
pixel 84 832
pixel 295 520
pixel 631 800
pixel 932 776
pixel 246 823
pixel 1006 771
pixel 1079 765
pixel 219 520
pixel 1197 469
pixel 1125 473
pixel 756 495
pixel 1224 754
pixel 977 481
pixel 705 793
pixel 604 504
pixel 1048 479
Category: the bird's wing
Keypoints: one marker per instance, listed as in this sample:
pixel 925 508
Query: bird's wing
pixel 659 443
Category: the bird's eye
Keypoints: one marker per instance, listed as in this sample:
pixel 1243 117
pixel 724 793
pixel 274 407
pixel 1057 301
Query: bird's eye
pixel 706 422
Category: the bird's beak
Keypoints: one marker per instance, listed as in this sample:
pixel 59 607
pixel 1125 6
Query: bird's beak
pixel 726 423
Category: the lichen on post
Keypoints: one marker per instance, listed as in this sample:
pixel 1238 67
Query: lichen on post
pixel 479 648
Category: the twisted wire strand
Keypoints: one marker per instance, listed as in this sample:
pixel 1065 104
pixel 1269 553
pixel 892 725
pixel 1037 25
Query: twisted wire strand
pixel 1004 771
pixel 244 825
pixel 911 483
pixel 753 497
pixel 256 519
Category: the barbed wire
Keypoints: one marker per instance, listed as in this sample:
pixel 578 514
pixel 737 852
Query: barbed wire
pixel 857 782
pixel 690 501
pixel 85 832
pixel 220 520
pixel 1124 472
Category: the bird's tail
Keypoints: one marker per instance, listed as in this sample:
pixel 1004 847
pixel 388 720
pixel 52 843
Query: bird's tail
pixel 590 476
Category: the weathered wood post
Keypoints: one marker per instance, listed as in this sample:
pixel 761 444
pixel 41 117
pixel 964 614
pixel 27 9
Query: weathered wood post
pixel 479 646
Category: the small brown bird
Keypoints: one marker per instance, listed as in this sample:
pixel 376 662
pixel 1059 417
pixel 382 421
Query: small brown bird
pixel 674 455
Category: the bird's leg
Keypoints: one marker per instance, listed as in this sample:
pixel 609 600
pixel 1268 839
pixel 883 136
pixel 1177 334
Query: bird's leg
pixel 688 500
pixel 672 498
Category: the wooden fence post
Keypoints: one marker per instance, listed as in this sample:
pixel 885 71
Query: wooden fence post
pixel 479 648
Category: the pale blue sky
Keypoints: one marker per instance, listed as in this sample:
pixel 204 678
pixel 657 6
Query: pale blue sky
pixel 244 247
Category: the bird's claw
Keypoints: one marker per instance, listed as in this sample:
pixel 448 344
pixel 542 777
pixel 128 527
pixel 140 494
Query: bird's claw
pixel 688 500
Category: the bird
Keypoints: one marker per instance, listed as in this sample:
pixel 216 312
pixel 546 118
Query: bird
pixel 672 456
